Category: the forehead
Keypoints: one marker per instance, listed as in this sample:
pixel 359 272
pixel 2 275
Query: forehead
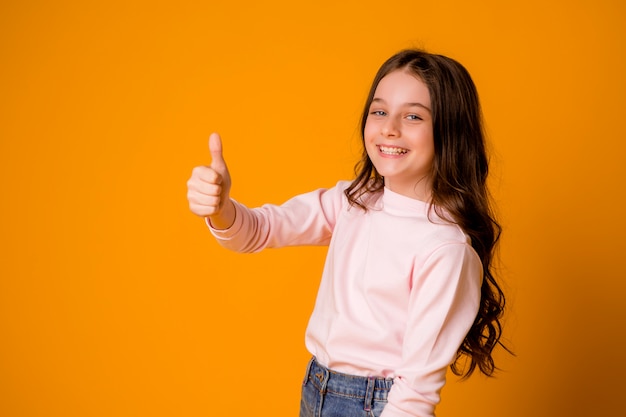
pixel 401 85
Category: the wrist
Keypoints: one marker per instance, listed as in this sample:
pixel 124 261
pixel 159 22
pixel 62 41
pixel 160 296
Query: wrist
pixel 225 218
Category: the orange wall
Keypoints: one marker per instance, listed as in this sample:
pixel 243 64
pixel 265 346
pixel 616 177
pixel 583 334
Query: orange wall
pixel 114 299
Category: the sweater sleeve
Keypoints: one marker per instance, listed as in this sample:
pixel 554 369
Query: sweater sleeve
pixel 444 301
pixel 307 219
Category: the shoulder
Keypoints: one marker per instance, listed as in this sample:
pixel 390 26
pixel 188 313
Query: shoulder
pixel 448 240
pixel 338 194
pixel 335 193
pixel 444 241
pixel 445 228
pixel 450 263
pixel 328 202
pixel 342 185
pixel 325 194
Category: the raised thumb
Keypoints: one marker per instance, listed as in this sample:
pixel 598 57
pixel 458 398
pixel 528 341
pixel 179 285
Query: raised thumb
pixel 217 159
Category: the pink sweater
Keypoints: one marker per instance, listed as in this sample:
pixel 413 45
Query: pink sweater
pixel 398 294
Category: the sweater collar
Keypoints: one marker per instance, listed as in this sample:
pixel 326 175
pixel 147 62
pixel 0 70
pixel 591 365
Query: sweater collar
pixel 401 205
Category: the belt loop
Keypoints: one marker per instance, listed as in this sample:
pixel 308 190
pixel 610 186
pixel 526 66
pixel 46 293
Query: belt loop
pixel 308 371
pixel 323 375
pixel 369 393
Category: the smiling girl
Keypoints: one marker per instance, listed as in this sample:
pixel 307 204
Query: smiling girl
pixel 408 288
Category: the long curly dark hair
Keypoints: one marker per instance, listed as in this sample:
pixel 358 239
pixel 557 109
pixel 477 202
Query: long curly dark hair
pixel 459 175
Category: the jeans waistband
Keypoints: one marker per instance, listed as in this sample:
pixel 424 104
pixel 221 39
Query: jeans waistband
pixel 327 380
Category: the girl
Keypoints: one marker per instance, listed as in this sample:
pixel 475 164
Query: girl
pixel 408 288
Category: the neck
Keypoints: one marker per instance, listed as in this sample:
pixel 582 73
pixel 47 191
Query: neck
pixel 418 191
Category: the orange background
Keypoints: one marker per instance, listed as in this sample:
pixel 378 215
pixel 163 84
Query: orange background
pixel 116 301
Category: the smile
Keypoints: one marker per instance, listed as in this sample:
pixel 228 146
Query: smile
pixel 392 150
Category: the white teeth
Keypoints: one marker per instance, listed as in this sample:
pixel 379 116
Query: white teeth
pixel 392 151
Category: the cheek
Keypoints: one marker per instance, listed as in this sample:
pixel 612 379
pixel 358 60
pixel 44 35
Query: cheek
pixel 369 132
pixel 369 138
pixel 429 153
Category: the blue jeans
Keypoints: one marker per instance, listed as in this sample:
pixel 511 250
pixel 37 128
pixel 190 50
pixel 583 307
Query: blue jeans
pixel 327 393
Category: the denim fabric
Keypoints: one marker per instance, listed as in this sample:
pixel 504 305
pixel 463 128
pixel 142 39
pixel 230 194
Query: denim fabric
pixel 327 393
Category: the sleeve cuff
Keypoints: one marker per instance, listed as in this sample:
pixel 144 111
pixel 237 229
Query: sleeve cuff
pixel 226 234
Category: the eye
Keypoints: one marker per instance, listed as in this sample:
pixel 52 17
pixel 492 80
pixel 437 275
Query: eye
pixel 413 117
pixel 378 113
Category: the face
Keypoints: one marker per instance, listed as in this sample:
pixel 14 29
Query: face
pixel 399 134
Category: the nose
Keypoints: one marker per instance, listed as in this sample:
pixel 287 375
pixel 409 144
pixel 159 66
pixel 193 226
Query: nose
pixel 390 128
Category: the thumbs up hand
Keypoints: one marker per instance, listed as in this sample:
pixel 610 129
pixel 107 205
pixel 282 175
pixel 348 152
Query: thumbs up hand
pixel 208 189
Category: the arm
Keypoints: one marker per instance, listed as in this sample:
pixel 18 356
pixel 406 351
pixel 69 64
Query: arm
pixel 307 219
pixel 445 297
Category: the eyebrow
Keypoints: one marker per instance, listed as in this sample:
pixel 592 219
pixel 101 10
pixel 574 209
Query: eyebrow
pixel 380 100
